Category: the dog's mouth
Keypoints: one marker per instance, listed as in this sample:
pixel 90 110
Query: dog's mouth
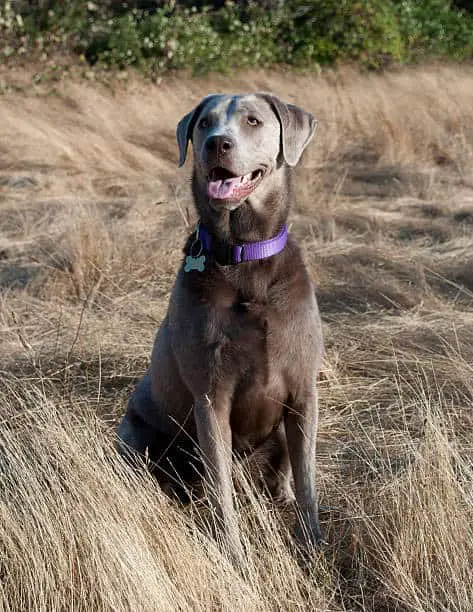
pixel 224 185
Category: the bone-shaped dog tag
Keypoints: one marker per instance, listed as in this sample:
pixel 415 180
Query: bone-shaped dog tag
pixel 194 263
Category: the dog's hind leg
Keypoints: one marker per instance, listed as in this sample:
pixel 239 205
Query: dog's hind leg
pixel 278 475
pixel 136 438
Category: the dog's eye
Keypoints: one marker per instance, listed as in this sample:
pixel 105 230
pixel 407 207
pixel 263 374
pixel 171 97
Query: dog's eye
pixel 253 121
pixel 204 123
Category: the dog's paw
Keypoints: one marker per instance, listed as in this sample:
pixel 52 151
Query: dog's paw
pixel 283 495
pixel 309 539
pixel 308 548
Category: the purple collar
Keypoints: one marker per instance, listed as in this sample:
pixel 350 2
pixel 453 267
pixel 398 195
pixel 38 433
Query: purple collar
pixel 227 254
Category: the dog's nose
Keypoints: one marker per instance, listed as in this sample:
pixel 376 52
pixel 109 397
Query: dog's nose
pixel 219 144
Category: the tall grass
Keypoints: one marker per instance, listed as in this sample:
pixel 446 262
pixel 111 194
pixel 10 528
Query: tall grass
pixel 92 219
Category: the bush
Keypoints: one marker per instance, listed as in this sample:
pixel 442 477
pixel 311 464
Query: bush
pixel 324 31
pixel 433 27
pixel 11 30
pixel 185 38
pixel 167 35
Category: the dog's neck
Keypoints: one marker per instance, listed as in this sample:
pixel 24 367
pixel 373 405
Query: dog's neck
pixel 260 217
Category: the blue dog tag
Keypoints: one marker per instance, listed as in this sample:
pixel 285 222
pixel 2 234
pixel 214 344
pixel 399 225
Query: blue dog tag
pixel 194 263
pixel 195 260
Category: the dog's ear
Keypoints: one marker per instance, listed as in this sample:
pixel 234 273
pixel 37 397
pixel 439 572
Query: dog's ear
pixel 297 128
pixel 186 125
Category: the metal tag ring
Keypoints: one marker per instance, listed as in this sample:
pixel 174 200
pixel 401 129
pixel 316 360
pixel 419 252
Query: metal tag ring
pixel 201 248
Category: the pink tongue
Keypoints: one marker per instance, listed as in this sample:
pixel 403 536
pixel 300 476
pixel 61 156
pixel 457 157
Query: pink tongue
pixel 221 190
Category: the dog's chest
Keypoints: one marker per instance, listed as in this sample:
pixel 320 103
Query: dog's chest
pixel 246 324
pixel 251 354
pixel 242 334
pixel 248 331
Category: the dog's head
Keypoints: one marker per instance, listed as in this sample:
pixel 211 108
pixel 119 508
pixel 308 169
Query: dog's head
pixel 239 142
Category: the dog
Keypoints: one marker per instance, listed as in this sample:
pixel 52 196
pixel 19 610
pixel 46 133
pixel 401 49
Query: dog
pixel 235 361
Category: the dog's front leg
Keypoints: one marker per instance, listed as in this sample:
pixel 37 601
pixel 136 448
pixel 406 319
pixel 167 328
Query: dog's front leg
pixel 214 434
pixel 301 432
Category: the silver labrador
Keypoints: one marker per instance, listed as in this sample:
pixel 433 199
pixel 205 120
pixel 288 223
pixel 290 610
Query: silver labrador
pixel 235 361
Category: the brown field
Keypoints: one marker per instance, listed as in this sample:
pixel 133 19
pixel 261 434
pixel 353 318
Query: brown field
pixel 93 215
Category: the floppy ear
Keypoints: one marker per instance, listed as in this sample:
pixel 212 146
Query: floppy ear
pixel 297 128
pixel 185 127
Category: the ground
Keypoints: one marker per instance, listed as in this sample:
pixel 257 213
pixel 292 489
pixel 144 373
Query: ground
pixel 93 216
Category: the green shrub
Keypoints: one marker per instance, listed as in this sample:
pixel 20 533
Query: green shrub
pixel 11 30
pixel 184 38
pixel 299 32
pixel 433 27
pixel 325 30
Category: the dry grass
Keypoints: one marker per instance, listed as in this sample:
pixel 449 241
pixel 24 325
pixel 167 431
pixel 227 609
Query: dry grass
pixel 93 216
